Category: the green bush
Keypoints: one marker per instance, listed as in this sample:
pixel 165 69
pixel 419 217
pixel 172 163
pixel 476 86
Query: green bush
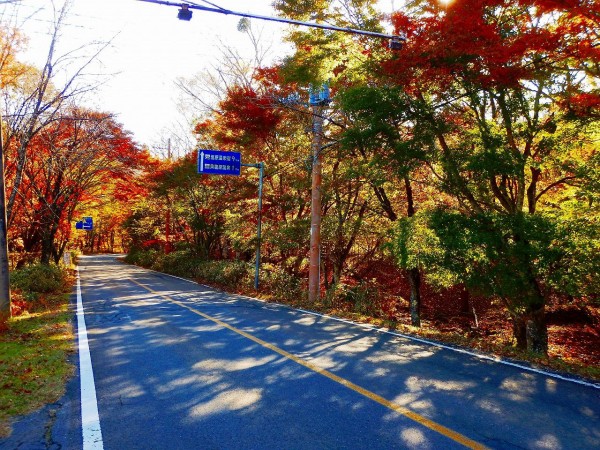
pixel 139 257
pixel 38 278
pixel 183 263
pixel 226 273
pixel 280 283
pixel 364 297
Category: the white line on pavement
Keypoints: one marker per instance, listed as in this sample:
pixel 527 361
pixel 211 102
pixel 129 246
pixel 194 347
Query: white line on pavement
pixel 90 419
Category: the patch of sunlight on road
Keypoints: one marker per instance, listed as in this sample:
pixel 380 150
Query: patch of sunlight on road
pixel 307 320
pixel 131 392
pixel 190 380
pixel 203 328
pixel 324 362
pixel 587 411
pixel 409 353
pixel 146 323
pixel 414 438
pixel 415 402
pixel 233 400
pixel 405 399
pixel 233 366
pixel 491 406
pixel 357 346
pixel 548 441
pixel 551 386
pixel 518 389
pixel 417 384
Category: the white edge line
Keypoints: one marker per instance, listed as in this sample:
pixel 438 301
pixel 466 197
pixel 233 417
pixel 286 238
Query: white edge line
pixel 90 419
pixel 495 359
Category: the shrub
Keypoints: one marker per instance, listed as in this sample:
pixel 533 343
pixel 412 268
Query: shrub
pixel 280 283
pixel 139 257
pixel 225 273
pixel 38 278
pixel 183 263
pixel 364 297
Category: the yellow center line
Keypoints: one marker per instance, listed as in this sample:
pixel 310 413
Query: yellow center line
pixel 457 437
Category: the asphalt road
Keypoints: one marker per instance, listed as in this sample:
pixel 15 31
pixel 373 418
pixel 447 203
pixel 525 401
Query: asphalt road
pixel 182 366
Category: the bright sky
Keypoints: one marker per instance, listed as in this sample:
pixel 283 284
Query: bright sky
pixel 150 49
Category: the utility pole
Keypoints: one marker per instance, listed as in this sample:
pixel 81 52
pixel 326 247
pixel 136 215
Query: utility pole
pixel 261 172
pixel 168 218
pixel 4 272
pixel 318 101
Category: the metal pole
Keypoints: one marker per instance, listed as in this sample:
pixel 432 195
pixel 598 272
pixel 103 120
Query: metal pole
pixel 4 271
pixel 315 207
pixel 261 168
pixel 168 215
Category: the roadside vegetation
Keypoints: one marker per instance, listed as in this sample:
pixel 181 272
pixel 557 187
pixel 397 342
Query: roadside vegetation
pixel 36 342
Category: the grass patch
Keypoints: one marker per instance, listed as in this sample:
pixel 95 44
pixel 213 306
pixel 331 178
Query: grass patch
pixel 33 357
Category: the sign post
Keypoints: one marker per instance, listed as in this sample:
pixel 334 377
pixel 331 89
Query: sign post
pixel 219 162
pixel 261 168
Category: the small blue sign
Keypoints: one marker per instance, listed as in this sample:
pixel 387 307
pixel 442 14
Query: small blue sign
pixel 88 223
pixel 79 225
pixel 218 162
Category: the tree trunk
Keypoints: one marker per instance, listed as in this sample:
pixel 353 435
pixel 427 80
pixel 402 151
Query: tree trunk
pixel 47 249
pixel 537 331
pixel 520 331
pixel 414 278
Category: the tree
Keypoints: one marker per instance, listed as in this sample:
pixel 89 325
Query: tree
pixel 74 159
pixel 34 101
pixel 488 80
pixel 383 135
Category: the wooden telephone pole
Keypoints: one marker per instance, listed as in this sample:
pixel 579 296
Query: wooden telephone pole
pixel 319 99
pixel 4 271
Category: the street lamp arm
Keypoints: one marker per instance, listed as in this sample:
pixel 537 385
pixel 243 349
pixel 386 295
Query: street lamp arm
pixel 279 19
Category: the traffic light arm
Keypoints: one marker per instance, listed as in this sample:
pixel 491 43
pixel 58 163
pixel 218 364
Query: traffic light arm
pixel 187 6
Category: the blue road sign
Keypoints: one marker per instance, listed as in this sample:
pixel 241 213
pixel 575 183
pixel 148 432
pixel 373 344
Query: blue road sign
pixel 79 225
pixel 88 223
pixel 218 162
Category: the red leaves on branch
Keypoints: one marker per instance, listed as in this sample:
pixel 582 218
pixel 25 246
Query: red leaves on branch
pixel 246 116
pixel 584 105
pixel 493 44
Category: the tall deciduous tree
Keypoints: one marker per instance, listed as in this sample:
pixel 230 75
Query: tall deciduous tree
pixel 489 79
pixel 34 100
pixel 72 162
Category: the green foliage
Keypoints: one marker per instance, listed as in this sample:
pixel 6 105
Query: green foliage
pixel 139 257
pixel 415 244
pixel 577 242
pixel 232 274
pixel 280 283
pixel 38 278
pixel 183 263
pixel 501 255
pixel 143 224
pixel 364 297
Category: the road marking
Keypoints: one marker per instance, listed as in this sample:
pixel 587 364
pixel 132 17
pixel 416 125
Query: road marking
pixel 495 359
pixel 90 419
pixel 451 434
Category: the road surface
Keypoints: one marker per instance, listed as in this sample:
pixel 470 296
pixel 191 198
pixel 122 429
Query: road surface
pixel 177 365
